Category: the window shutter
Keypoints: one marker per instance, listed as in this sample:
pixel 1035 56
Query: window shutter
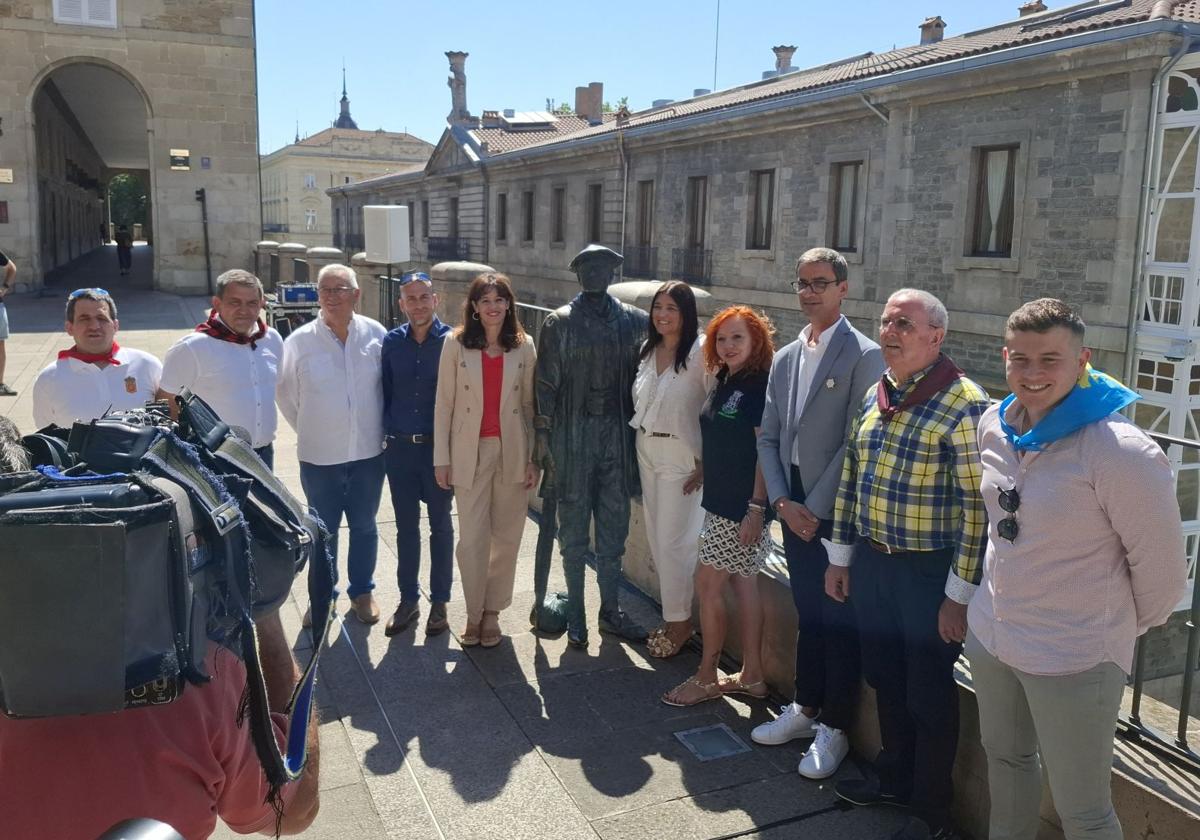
pixel 101 12
pixel 68 11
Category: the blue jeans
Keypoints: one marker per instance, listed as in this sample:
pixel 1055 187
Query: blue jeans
pixel 410 477
pixel 353 489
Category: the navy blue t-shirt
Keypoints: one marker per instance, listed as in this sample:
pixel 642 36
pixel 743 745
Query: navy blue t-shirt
pixel 729 447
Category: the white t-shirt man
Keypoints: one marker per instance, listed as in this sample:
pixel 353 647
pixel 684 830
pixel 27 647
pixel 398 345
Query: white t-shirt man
pixel 70 389
pixel 236 380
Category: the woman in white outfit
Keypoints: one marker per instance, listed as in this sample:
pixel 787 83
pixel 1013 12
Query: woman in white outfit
pixel 668 393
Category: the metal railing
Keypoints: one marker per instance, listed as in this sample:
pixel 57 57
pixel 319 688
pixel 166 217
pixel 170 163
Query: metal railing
pixel 531 319
pixel 692 264
pixel 1132 726
pixel 389 295
pixel 641 261
pixel 448 248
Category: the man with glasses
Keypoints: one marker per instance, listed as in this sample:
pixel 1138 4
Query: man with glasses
pixel 1085 552
pixel 330 392
pixel 410 357
pixel 231 361
pixel 95 375
pixel 909 529
pixel 6 284
pixel 814 393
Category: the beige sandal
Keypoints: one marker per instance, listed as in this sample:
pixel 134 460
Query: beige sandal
pixel 734 687
pixel 489 629
pixel 709 691
pixel 470 636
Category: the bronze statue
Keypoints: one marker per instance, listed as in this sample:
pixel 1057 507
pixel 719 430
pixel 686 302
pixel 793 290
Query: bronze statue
pixel 587 357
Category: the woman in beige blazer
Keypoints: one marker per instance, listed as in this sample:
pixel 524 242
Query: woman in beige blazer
pixel 483 446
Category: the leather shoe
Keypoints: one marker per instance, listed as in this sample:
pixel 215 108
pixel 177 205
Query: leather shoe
pixel 402 618
pixel 436 623
pixel 620 624
pixel 577 635
pixel 365 609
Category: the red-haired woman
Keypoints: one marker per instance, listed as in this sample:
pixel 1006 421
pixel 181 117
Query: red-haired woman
pixel 482 447
pixel 734 541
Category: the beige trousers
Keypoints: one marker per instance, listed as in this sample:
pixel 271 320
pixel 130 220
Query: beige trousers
pixel 491 519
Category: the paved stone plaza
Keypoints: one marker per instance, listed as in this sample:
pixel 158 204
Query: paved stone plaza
pixel 423 739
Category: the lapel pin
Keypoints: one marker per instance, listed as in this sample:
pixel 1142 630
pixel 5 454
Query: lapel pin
pixel 829 383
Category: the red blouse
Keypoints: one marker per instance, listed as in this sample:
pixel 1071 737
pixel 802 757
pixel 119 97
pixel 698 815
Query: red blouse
pixel 493 377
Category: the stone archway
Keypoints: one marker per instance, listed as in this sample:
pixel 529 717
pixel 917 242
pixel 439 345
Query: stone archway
pixel 90 123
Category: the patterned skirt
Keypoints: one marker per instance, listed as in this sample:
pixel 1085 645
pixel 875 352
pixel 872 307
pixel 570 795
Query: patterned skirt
pixel 720 548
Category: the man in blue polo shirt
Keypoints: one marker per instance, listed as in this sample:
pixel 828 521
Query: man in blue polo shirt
pixel 410 357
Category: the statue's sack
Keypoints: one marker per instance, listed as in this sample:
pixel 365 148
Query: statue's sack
pixel 138 545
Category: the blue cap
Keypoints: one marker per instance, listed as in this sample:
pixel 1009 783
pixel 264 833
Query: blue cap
pixel 409 276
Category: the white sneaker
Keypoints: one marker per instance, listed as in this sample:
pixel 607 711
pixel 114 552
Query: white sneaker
pixel 791 723
pixel 826 753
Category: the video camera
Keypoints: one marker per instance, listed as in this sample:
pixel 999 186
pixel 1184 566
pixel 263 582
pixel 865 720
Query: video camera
pixel 132 544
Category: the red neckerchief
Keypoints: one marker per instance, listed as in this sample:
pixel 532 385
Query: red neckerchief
pixel 214 327
pixel 91 358
pixel 941 374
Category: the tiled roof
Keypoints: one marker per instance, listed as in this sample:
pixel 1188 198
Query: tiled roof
pixel 325 136
pixel 1054 23
pixel 501 140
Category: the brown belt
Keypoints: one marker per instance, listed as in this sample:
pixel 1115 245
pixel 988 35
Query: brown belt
pixel 884 548
pixel 657 434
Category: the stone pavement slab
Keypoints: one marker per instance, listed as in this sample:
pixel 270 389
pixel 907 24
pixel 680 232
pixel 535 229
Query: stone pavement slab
pixel 421 738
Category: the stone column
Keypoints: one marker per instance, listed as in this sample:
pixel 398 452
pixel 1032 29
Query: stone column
pixel 289 251
pixel 262 262
pixel 450 281
pixel 368 274
pixel 318 258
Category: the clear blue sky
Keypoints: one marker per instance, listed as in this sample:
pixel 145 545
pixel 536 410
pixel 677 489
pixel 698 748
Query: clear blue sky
pixel 525 51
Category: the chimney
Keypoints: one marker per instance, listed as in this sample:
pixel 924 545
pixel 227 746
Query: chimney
pixel 932 29
pixel 783 58
pixel 458 88
pixel 1031 8
pixel 589 103
pixel 490 119
pixel 1162 9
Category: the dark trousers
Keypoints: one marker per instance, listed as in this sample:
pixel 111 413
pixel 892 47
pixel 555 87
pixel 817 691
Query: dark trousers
pixel 124 258
pixel 827 656
pixel 410 478
pixel 267 454
pixel 896 598
pixel 353 490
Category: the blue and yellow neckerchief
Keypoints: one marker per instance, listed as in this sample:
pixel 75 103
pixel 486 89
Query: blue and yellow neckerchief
pixel 1095 396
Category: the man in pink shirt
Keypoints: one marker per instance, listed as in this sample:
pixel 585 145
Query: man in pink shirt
pixel 1085 553
pixel 185 763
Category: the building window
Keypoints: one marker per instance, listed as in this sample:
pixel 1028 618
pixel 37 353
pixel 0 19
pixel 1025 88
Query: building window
pixel 310 219
pixel 527 216
pixel 595 211
pixel 86 12
pixel 645 213
pixel 502 217
pixel 425 219
pixel 992 225
pixel 847 201
pixel 310 181
pixel 558 212
pixel 454 218
pixel 346 179
pixel 762 207
pixel 412 220
pixel 697 207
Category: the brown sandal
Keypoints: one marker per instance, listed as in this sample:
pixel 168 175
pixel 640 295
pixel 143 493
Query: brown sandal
pixel 470 636
pixel 733 686
pixel 709 691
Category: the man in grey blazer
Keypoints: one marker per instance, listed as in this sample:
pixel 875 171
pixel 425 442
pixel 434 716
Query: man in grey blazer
pixel 816 386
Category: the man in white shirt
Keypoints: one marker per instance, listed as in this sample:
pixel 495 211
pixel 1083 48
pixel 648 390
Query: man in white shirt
pixel 330 392
pixel 95 375
pixel 231 362
pixel 816 388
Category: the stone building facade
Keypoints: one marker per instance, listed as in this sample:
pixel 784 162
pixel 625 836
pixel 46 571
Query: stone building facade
pixel 990 168
pixel 161 89
pixel 295 207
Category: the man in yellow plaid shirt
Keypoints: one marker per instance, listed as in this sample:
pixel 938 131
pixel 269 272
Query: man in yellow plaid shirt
pixel 909 531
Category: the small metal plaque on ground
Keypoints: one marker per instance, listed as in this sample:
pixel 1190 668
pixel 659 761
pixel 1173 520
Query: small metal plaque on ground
pixel 708 743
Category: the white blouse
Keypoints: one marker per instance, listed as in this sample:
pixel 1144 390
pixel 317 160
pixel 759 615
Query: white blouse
pixel 670 402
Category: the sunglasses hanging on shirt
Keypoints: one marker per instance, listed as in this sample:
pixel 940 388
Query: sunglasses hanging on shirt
pixel 1008 527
